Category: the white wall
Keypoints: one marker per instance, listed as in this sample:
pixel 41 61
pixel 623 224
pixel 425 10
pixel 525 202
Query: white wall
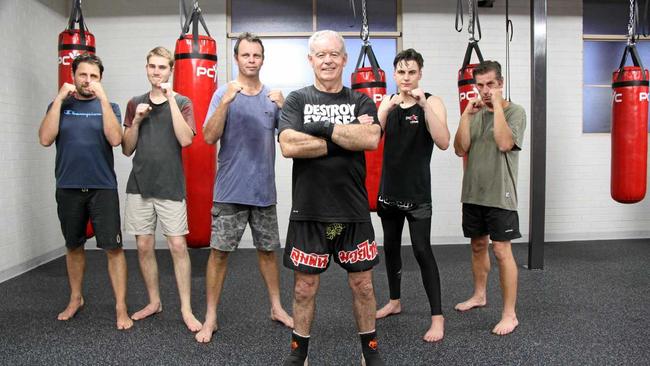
pixel 30 232
pixel 578 202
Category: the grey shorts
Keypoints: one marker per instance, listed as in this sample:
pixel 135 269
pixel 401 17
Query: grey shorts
pixel 229 222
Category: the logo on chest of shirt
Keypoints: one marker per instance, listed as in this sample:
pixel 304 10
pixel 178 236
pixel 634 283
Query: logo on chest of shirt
pixel 412 119
pixel 334 113
pixel 70 112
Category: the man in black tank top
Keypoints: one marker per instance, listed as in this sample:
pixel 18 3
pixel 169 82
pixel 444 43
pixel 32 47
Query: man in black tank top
pixel 413 122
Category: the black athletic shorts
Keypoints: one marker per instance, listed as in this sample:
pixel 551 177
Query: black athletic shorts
pixel 102 206
pixel 500 224
pixel 414 212
pixel 310 245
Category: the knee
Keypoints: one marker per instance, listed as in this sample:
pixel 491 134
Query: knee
pixel 502 251
pixel 146 244
pixel 480 245
pixel 305 289
pixel 422 252
pixel 266 256
pixel 361 286
pixel 177 245
pixel 219 256
pixel 114 253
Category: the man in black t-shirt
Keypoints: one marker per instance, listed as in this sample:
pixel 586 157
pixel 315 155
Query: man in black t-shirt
pixel 157 125
pixel 325 128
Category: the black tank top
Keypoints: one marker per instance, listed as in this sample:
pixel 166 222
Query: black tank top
pixel 406 174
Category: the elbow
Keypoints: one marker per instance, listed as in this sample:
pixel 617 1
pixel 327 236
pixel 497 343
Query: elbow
pixel 127 152
pixel 45 142
pixel 287 150
pixel 115 141
pixel 459 151
pixel 444 145
pixel 505 147
pixel 186 142
pixel 210 138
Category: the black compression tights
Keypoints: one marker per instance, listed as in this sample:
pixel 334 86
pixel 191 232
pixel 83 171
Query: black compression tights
pixel 421 244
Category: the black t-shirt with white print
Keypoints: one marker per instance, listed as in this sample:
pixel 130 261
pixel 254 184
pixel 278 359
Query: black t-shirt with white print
pixel 330 188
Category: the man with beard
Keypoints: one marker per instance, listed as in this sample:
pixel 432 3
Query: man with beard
pixel 86 127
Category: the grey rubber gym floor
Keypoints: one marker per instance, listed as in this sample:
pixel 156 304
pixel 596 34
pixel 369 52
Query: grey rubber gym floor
pixel 588 306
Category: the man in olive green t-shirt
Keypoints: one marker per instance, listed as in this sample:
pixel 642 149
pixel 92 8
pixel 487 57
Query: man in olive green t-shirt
pixel 491 133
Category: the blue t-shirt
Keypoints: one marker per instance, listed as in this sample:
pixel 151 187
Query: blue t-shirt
pixel 246 160
pixel 84 158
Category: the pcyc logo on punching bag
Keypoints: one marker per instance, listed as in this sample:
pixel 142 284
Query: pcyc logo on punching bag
pixel 618 97
pixel 66 60
pixel 469 95
pixel 210 72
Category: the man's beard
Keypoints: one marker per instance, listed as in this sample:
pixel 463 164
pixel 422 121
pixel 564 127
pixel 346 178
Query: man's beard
pixel 84 94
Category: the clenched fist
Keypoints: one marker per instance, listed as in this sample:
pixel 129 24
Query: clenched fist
pixel 276 97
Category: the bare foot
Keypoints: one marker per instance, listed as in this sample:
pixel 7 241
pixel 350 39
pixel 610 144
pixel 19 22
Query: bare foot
pixel 437 330
pixel 473 302
pixel 190 321
pixel 207 330
pixel 147 311
pixel 71 310
pixel 393 307
pixel 123 320
pixel 279 315
pixel 507 324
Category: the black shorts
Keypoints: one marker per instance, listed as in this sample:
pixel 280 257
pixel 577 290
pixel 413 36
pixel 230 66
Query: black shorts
pixel 415 212
pixel 102 206
pixel 500 224
pixel 310 245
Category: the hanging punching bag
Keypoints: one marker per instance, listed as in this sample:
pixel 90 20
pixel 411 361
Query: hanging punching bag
pixel 466 82
pixel 73 42
pixel 371 81
pixel 195 76
pixel 629 129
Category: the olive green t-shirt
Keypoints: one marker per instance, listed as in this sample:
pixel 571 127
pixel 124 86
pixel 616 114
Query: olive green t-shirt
pixel 490 177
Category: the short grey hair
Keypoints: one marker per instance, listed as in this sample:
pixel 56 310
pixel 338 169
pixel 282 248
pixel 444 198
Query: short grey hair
pixel 326 34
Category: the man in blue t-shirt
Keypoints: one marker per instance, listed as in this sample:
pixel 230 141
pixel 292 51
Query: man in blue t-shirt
pixel 243 115
pixel 86 127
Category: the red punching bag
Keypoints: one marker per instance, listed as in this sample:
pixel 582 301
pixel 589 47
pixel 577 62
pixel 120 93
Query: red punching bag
pixel 466 83
pixel 72 43
pixel 371 81
pixel 195 76
pixel 629 130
